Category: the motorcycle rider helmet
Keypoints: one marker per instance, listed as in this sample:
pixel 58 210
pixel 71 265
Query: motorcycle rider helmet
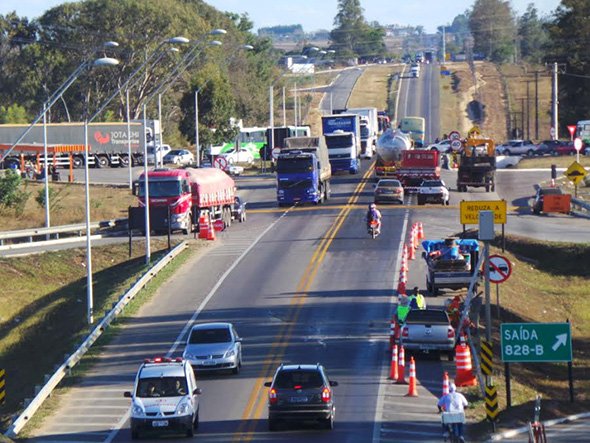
pixel 372 206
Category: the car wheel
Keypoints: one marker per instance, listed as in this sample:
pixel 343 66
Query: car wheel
pixel 451 356
pixel 329 423
pixel 506 152
pixel 273 424
pixel 236 370
pixel 190 432
pixel 530 153
pixel 134 434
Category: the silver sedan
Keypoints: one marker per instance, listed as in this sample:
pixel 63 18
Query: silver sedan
pixel 214 346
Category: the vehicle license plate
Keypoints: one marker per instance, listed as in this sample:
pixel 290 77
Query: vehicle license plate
pixel 209 362
pixel 159 423
pixel 298 399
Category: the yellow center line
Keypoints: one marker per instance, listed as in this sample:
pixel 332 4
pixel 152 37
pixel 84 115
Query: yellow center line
pixel 256 402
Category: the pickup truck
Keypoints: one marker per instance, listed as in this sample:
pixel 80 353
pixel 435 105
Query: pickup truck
pixel 428 330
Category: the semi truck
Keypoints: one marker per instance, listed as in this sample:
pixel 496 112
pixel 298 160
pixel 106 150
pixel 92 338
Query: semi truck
pixel 108 144
pixel 369 129
pixel 477 165
pixel 303 171
pixel 417 165
pixel 390 147
pixel 189 193
pixel 342 134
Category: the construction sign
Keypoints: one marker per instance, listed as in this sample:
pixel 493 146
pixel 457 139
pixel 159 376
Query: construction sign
pixel 491 403
pixel 474 132
pixel 2 386
pixel 576 173
pixel 469 211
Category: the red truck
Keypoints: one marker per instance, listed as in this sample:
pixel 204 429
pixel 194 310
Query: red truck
pixel 417 165
pixel 189 193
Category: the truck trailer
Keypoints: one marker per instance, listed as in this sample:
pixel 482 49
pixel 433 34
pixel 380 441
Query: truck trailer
pixel 416 166
pixel 108 144
pixel 189 193
pixel 369 129
pixel 342 133
pixel 303 171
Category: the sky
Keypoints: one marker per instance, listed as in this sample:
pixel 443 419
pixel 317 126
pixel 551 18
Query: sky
pixel 319 14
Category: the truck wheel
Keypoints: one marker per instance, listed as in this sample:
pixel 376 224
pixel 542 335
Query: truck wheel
pixel 493 187
pixel 77 161
pixel 102 161
pixel 124 161
pixel 487 188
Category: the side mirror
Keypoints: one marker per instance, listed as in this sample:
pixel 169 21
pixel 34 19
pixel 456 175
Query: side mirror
pixel 127 394
pixel 197 391
pixel 333 383
pixel 239 339
pixel 268 384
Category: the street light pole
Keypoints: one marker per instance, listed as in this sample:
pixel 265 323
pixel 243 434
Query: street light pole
pixel 45 169
pixel 197 148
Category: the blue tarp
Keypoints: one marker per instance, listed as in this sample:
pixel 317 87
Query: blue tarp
pixel 465 245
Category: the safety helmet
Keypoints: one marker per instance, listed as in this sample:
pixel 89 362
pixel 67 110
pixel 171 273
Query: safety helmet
pixel 373 206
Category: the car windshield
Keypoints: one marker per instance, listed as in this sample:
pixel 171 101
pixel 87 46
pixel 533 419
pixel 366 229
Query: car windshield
pixel 161 387
pixel 431 183
pixel 214 335
pixel 174 152
pixel 170 188
pixel 389 184
pixel 299 379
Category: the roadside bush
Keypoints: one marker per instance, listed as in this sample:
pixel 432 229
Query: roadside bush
pixel 54 198
pixel 12 197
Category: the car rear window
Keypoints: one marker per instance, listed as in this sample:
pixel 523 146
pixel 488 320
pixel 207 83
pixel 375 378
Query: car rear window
pixel 427 316
pixel 218 335
pixel 299 379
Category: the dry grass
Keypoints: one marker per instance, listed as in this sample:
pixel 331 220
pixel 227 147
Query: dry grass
pixel 68 205
pixel 516 77
pixel 371 87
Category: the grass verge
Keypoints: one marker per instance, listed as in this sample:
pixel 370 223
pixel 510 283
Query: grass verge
pixel 371 87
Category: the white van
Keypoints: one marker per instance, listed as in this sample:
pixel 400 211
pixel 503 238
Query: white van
pixel 165 397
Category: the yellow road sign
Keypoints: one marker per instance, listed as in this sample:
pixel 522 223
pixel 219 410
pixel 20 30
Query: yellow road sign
pixel 491 404
pixel 474 132
pixel 576 173
pixel 470 211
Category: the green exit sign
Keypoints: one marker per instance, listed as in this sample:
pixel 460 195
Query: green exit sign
pixel 535 342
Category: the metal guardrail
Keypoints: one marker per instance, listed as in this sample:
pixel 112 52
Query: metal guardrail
pixel 44 392
pixel 581 207
pixel 30 234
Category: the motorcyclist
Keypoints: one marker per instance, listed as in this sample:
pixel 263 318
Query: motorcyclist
pixel 453 402
pixel 373 214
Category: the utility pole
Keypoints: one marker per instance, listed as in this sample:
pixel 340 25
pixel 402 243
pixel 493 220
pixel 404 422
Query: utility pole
pixel 536 105
pixel 528 114
pixel 522 116
pixel 444 45
pixel 554 104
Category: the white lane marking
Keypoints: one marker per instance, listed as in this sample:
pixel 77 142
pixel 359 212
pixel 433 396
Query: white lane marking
pixel 399 88
pixel 377 421
pixel 202 306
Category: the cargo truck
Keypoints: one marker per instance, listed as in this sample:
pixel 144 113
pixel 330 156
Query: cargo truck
pixel 342 134
pixel 369 129
pixel 416 166
pixel 390 147
pixel 107 142
pixel 477 165
pixel 303 171
pixel 189 193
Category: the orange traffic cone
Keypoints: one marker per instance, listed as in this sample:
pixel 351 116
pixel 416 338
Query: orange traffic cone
pixel 392 328
pixel 401 367
pixel 401 285
pixel 404 261
pixel 203 227
pixel 411 252
pixel 420 231
pixel 415 237
pixel 445 389
pixel 464 375
pixel 393 369
pixel 210 232
pixel 412 389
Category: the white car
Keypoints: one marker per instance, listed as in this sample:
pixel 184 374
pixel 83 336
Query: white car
pixel 518 147
pixel 242 155
pixel 165 397
pixel 433 191
pixel 214 346
pixel 443 146
pixel 159 155
pixel 179 157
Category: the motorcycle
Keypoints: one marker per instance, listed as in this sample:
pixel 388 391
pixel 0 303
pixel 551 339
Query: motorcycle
pixel 374 228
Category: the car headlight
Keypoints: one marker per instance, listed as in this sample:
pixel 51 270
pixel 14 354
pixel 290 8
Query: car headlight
pixel 187 356
pixel 230 353
pixel 137 410
pixel 183 408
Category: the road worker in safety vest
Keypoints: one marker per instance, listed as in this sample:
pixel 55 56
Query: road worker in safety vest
pixel 403 308
pixel 417 300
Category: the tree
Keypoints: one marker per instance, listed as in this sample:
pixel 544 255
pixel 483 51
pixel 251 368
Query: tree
pixel 352 36
pixel 532 35
pixel 569 34
pixel 13 114
pixel 493 28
